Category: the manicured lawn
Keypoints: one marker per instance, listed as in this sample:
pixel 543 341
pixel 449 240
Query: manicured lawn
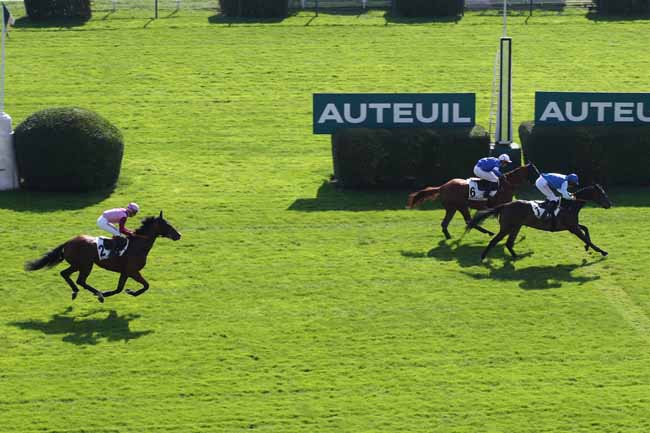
pixel 289 306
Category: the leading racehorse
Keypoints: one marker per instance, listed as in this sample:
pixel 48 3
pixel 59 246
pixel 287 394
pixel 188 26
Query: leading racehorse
pixel 455 196
pixel 81 254
pixel 514 215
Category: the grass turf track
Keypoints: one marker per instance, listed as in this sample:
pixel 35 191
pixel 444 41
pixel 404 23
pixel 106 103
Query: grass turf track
pixel 291 307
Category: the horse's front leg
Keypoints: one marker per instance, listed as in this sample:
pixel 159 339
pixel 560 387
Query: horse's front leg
pixel 578 232
pixel 586 230
pixel 140 279
pixel 120 286
pixel 465 212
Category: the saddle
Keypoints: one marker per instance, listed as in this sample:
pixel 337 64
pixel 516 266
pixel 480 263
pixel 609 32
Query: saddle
pixel 540 209
pixel 480 189
pixel 105 246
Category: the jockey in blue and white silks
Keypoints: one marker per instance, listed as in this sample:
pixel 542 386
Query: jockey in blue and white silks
pixel 490 169
pixel 550 183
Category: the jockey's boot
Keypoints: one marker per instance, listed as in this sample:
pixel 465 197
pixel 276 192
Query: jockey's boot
pixel 549 210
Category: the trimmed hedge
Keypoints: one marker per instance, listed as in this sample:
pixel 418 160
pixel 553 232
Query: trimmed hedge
pixel 396 158
pixel 429 8
pixel 254 8
pixel 52 9
pixel 623 7
pixel 610 155
pixel 67 149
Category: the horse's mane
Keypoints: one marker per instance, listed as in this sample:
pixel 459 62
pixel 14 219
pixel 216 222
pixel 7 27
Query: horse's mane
pixel 146 223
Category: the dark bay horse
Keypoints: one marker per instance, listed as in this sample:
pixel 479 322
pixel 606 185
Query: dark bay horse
pixel 514 215
pixel 81 254
pixel 454 196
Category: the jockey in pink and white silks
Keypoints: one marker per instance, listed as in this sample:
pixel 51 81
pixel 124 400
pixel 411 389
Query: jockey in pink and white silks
pixel 109 218
pixel 490 169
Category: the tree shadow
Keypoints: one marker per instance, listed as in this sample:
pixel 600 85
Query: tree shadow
pixel 537 277
pixel 86 330
pixel 595 16
pixel 26 23
pixel 34 201
pixel 466 255
pixel 331 198
pixel 220 19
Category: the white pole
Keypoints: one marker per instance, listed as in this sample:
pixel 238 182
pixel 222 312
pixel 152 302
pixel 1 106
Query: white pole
pixel 505 21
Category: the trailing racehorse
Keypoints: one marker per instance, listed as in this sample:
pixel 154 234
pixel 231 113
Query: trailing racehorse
pixel 455 196
pixel 81 254
pixel 514 215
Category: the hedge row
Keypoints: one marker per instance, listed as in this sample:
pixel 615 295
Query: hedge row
pixel 429 8
pixel 53 9
pixel 394 158
pixel 254 8
pixel 610 155
pixel 623 7
pixel 67 149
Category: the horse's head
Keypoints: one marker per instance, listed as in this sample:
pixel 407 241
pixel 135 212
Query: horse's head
pixel 519 175
pixel 158 226
pixel 594 193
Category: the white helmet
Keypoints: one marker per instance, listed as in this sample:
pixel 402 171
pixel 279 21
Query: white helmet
pixel 133 207
pixel 504 157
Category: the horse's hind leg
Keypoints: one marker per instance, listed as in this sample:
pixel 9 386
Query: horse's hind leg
pixel 446 220
pixel 81 280
pixel 495 240
pixel 510 243
pixel 66 276
pixel 586 230
pixel 465 212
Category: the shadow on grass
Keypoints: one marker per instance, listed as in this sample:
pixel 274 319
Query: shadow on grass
pixel 331 198
pixel 85 330
pixel 392 18
pixel 32 201
pixel 537 277
pixel 26 23
pixel 466 255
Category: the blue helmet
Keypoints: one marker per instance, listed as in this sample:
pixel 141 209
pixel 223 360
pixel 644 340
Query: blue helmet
pixel 573 178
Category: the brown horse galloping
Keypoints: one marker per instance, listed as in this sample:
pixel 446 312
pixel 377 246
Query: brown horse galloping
pixel 514 215
pixel 454 196
pixel 81 253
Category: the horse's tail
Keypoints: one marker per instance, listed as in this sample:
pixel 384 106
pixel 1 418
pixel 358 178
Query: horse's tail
pixel 419 197
pixel 49 259
pixel 483 215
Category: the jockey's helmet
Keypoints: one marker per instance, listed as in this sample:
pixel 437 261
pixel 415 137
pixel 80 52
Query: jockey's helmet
pixel 505 158
pixel 133 207
pixel 572 178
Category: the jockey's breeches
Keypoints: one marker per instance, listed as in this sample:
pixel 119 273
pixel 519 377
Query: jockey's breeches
pixel 103 224
pixel 544 188
pixel 486 175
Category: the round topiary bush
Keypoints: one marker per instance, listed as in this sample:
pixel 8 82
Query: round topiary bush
pixel 68 149
pixel 57 9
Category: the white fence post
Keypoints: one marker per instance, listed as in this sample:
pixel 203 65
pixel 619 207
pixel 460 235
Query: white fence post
pixel 8 171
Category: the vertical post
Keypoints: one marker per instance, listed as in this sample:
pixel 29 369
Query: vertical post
pixel 155 6
pixel 178 5
pixel 504 113
pixel 316 7
pixel 530 14
pixel 505 20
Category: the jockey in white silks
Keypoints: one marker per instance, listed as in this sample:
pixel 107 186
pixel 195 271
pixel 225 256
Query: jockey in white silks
pixel 490 169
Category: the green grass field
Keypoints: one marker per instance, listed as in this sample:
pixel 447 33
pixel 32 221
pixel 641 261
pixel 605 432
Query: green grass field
pixel 289 306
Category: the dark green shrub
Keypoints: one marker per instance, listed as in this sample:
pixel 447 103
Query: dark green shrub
pixel 394 158
pixel 429 8
pixel 254 8
pixel 53 9
pixel 623 7
pixel 68 149
pixel 610 155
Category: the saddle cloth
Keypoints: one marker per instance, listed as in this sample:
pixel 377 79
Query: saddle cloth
pixel 476 193
pixel 104 247
pixel 538 210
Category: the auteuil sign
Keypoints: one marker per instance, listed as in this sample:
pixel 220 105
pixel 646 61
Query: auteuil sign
pixel 572 108
pixel 333 111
